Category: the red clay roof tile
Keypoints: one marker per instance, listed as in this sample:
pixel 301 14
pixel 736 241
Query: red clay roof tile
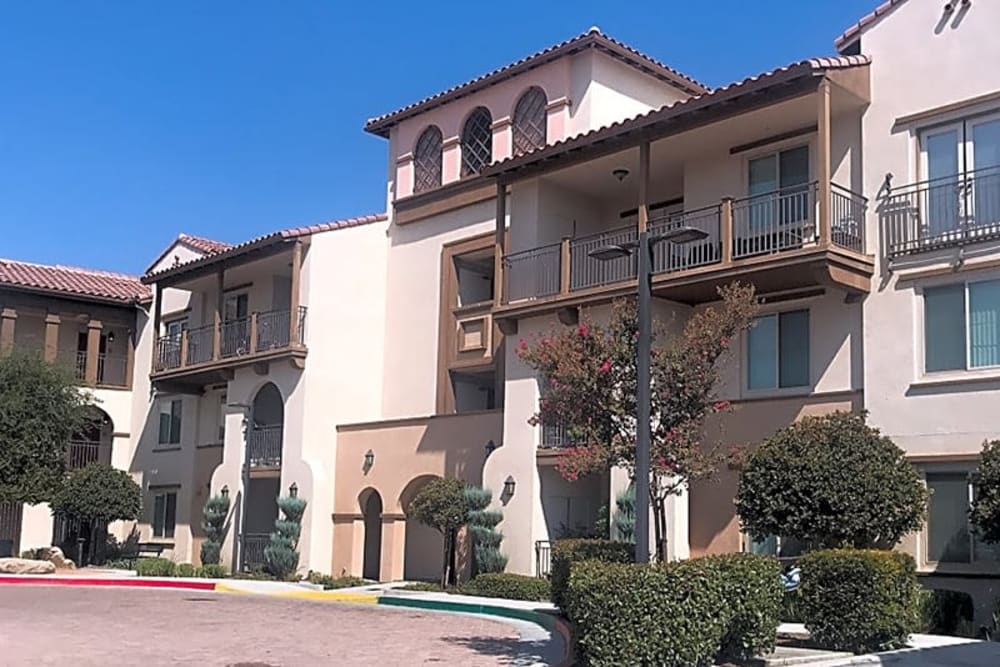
pixel 103 285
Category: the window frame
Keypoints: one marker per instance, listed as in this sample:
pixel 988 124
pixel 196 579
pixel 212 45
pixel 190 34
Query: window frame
pixel 969 368
pixel 466 169
pixel 923 541
pixel 163 531
pixel 169 404
pixel 516 128
pixel 421 163
pixel 777 389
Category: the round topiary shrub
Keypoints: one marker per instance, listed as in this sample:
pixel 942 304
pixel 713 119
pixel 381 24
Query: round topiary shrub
pixel 565 553
pixel 831 481
pixel 859 600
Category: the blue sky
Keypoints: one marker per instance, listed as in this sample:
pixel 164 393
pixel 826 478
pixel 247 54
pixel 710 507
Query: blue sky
pixel 125 123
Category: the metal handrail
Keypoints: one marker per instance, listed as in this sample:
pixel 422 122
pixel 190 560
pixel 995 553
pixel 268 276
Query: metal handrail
pixel 532 273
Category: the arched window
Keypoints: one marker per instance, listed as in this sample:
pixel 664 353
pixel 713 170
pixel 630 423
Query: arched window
pixel 529 121
pixel 477 141
pixel 427 160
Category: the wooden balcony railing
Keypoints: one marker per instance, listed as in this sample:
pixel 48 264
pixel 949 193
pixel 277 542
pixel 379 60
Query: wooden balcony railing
pixel 941 213
pixel 264 446
pixel 735 230
pixel 232 339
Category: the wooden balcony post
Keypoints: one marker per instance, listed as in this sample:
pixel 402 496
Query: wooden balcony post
pixel 564 266
pixel 220 299
pixel 94 328
pixel 184 348
pixel 726 229
pixel 51 337
pixel 253 333
pixel 643 208
pixel 8 317
pixel 157 312
pixel 130 357
pixel 823 193
pixel 499 243
pixel 295 297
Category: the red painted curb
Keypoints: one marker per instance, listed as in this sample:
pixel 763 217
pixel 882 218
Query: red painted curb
pixel 108 581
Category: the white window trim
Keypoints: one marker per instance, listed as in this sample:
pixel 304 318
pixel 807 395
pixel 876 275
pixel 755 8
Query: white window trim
pixel 925 377
pixel 776 391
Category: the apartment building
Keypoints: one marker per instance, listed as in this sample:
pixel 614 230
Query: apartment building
pixel 358 359
pixel 91 323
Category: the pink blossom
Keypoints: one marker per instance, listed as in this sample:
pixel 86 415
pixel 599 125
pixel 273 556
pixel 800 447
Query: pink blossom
pixel 522 344
pixel 721 405
pixel 584 330
pixel 606 366
pixel 724 342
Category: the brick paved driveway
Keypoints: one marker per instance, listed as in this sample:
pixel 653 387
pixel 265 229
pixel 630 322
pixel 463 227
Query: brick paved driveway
pixel 94 626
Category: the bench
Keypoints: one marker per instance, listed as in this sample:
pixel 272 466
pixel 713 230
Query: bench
pixel 146 549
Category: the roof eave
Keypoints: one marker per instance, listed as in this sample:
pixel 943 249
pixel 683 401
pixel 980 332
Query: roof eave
pixel 74 296
pixel 203 263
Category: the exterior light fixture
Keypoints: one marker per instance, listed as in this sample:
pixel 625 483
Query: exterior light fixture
pixel 508 486
pixel 620 173
pixel 225 491
pixel 293 490
pixel 369 459
pixel 490 447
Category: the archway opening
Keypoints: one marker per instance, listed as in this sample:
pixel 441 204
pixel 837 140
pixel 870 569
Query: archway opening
pixel 371 510
pixel 423 551
pixel 264 434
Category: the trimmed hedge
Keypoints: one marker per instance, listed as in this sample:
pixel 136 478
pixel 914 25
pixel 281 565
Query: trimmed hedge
pixel 567 552
pixel 944 612
pixel 213 571
pixel 509 586
pixel 154 567
pixel 859 600
pixel 674 614
pixel 185 570
pixel 329 582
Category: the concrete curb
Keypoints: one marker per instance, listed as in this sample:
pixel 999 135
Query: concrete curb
pixel 125 582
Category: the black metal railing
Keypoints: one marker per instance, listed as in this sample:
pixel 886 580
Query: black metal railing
pixel 80 365
pixel 264 446
pixel 555 437
pixel 81 453
pixel 234 337
pixel 253 550
pixel 112 370
pixel 941 213
pixel 587 271
pixel 668 257
pixel 775 221
pixel 200 344
pixel 532 273
pixel 847 218
pixel 273 329
pixel 168 353
pixel 543 558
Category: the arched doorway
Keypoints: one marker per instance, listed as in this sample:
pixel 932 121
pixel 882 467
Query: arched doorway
pixel 423 550
pixel 371 510
pixel 265 440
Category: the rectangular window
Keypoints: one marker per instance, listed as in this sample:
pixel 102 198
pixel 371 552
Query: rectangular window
pixel 779 186
pixel 962 326
pixel 778 351
pixel 170 422
pixel 164 514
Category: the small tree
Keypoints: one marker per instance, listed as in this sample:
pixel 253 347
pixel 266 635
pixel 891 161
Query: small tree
pixel 831 481
pixel 40 410
pixel 97 495
pixel 624 517
pixel 281 556
pixel 486 539
pixel 441 505
pixel 215 515
pixel 985 513
pixel 590 376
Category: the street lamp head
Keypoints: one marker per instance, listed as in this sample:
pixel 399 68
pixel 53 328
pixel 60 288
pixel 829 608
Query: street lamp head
pixel 606 253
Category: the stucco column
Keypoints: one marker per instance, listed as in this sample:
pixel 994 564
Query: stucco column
pixel 557 119
pixel 404 175
pixel 823 174
pixel 94 328
pixel 451 159
pixel 503 141
pixel 296 294
pixel 51 337
pixel 393 547
pixel 8 317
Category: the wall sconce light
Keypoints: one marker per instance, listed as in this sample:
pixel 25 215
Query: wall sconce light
pixel 508 487
pixel 491 447
pixel 369 460
pixel 293 490
pixel 111 336
pixel 620 173
pixel 225 491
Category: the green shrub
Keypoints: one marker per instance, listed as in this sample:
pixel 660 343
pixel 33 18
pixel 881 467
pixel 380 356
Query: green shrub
pixel 215 514
pixel 154 567
pixel 567 552
pixel 486 539
pixel 859 600
pixel 944 612
pixel 255 575
pixel 41 553
pixel 674 614
pixel 282 555
pixel 185 570
pixel 425 586
pixel 121 564
pixel 330 583
pixel 212 572
pixel 509 586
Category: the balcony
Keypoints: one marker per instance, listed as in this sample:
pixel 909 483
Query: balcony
pixel 950 212
pixel 774 240
pixel 112 370
pixel 81 453
pixel 211 352
pixel 264 446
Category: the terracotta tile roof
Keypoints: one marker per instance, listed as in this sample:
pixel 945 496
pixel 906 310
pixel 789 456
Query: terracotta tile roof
pixel 593 38
pixel 280 236
pixel 796 69
pixel 848 35
pixel 102 285
pixel 203 245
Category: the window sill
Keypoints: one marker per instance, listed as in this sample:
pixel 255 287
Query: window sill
pixel 167 448
pixel 949 378
pixel 210 445
pixel 769 394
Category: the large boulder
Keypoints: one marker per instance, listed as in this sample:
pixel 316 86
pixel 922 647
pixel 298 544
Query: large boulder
pixel 26 566
pixel 58 558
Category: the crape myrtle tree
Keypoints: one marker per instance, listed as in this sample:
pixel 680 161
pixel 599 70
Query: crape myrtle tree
pixel 590 380
pixel 40 409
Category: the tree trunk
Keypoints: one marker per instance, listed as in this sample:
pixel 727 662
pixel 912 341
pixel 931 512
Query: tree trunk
pixel 445 565
pixel 660 522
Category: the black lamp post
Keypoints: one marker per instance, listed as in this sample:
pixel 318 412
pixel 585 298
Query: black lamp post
pixel 678 234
